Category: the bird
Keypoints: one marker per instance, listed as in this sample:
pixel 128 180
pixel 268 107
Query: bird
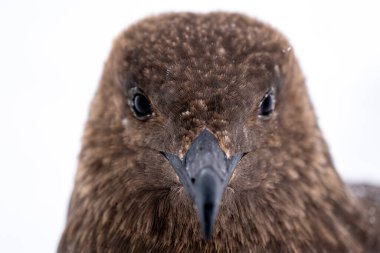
pixel 201 137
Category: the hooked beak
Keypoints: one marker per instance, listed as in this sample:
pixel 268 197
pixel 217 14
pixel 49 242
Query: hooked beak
pixel 205 172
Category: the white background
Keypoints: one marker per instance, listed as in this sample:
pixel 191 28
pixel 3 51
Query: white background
pixel 51 58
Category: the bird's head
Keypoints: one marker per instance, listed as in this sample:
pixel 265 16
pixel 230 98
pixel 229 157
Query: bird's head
pixel 204 119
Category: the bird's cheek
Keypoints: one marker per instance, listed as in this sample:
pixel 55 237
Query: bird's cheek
pixel 170 174
pixel 175 178
pixel 233 177
pixel 247 174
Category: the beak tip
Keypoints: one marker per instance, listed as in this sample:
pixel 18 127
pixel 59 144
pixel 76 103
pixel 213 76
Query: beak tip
pixel 208 214
pixel 207 231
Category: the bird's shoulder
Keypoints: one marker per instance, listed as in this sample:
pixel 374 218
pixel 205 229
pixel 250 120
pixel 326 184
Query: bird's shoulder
pixel 369 199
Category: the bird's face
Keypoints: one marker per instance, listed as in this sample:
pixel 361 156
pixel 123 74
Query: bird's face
pixel 207 111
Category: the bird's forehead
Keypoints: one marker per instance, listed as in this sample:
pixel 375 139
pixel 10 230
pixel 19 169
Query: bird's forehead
pixel 197 59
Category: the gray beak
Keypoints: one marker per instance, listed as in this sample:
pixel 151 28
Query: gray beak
pixel 205 172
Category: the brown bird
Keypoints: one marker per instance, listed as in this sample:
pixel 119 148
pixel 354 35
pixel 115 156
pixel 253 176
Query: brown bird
pixel 202 138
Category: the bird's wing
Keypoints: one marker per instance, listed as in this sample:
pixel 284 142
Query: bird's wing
pixel 369 197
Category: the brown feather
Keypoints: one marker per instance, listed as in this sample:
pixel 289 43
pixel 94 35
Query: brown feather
pixel 209 70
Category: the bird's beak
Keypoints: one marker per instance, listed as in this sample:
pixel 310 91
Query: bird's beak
pixel 205 172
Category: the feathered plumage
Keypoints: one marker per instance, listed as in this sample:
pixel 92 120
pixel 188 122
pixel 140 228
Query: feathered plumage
pixel 176 82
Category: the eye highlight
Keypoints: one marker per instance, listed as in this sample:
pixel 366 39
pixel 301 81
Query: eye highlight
pixel 267 104
pixel 141 106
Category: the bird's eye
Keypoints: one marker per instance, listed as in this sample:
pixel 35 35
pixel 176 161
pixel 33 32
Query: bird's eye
pixel 141 106
pixel 267 104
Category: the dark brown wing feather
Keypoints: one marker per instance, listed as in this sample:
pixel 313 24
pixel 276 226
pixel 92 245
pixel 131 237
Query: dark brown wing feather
pixel 369 196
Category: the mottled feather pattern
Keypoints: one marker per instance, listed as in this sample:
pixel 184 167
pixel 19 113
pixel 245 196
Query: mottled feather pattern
pixel 210 71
